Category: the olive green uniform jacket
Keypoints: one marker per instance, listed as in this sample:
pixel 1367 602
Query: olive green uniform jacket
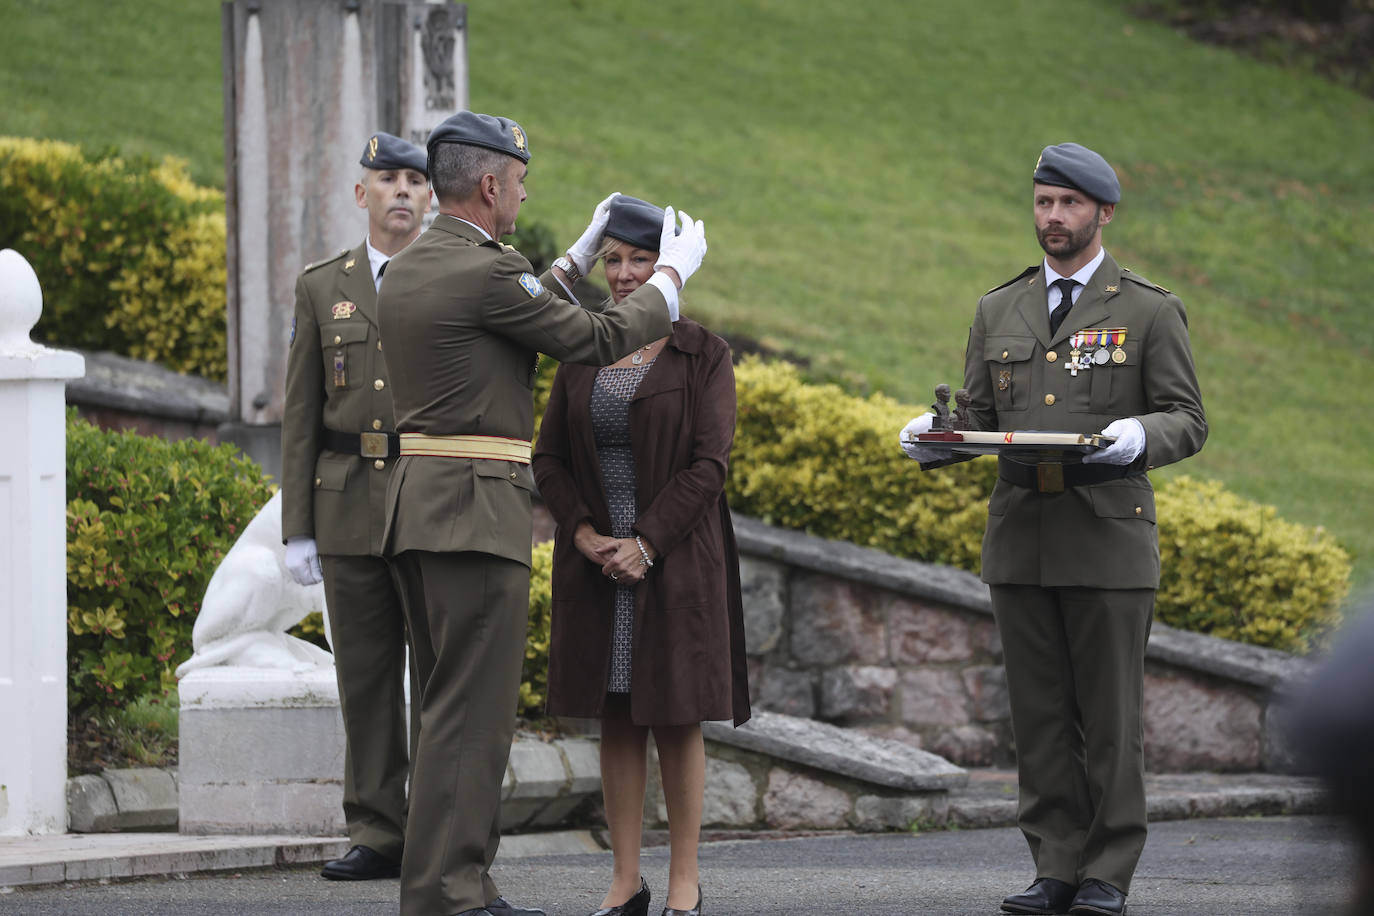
pixel 1100 536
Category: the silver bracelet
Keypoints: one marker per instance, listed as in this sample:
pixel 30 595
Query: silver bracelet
pixel 643 554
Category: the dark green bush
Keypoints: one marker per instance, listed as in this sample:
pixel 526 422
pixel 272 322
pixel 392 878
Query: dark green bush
pixel 147 523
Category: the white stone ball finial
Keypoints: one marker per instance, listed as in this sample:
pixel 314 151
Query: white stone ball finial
pixel 21 302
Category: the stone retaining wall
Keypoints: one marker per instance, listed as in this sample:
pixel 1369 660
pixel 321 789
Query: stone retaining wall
pixel 909 651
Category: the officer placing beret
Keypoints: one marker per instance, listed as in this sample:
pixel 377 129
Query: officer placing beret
pixel 464 319
pixel 339 447
pixel 1078 344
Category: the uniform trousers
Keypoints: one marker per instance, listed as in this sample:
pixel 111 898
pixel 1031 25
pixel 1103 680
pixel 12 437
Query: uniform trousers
pixel 468 613
pixel 1075 660
pixel 367 634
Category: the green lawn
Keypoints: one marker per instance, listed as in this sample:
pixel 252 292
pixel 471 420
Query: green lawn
pixel 863 170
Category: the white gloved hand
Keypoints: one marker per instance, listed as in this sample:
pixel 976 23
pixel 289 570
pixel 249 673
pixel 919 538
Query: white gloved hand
pixel 907 439
pixel 1130 442
pixel 583 251
pixel 303 560
pixel 682 251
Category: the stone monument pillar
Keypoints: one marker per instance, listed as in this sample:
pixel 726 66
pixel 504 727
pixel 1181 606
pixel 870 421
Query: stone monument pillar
pixel 305 83
pixel 33 561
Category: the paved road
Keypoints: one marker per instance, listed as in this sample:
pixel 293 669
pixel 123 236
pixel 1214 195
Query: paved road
pixel 1242 866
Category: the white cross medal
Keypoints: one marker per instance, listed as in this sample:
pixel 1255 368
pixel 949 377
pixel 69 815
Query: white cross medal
pixel 1075 360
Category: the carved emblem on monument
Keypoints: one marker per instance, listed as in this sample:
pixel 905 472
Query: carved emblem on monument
pixel 437 39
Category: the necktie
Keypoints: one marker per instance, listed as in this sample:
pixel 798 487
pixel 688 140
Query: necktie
pixel 381 270
pixel 1065 303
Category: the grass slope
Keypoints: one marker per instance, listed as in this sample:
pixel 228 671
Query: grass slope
pixel 863 169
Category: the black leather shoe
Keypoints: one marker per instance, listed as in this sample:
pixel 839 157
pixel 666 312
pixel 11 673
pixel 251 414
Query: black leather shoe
pixel 1098 897
pixel 1045 896
pixel 360 864
pixel 638 905
pixel 502 907
pixel 694 911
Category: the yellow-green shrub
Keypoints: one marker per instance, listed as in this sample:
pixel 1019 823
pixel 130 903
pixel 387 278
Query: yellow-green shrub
pixel 130 253
pixel 1234 569
pixel 534 680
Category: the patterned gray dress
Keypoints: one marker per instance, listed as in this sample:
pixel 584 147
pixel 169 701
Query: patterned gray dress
pixel 610 408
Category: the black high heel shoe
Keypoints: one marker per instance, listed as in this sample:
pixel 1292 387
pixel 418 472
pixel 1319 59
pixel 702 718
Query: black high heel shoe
pixel 694 911
pixel 638 905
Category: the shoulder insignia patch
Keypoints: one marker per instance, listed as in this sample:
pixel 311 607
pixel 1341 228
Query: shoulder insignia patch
pixel 293 330
pixel 328 260
pixel 1021 276
pixel 530 284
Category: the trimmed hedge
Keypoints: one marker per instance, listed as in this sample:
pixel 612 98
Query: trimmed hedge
pixel 147 523
pixel 130 253
pixel 813 458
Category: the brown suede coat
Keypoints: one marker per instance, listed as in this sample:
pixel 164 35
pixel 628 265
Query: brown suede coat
pixel 688 644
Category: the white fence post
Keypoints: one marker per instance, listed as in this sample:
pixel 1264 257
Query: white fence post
pixel 33 561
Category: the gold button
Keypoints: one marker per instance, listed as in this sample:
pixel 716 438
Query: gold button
pixel 317 481
pixel 1004 354
pixel 1051 356
pixel 376 424
pixel 338 339
pixel 1137 510
pixel 379 384
pixel 1049 400
pixel 379 464
pixel 379 345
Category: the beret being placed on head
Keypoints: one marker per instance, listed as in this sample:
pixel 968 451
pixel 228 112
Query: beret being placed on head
pixel 500 134
pixel 636 221
pixel 1069 165
pixel 383 151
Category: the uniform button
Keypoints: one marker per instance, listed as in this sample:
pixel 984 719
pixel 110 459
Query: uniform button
pixel 317 481
pixel 379 345
pixel 379 464
pixel 1051 356
pixel 376 424
pixel 1049 400
pixel 338 339
pixel 379 384
pixel 1004 354
pixel 1137 510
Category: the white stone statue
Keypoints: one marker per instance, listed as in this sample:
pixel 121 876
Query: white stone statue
pixel 252 601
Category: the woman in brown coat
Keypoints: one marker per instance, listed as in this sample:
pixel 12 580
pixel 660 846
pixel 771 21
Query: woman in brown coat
pixel 648 627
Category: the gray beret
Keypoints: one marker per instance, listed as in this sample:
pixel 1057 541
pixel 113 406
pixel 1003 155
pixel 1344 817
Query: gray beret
pixel 635 221
pixel 1069 165
pixel 500 134
pixel 383 151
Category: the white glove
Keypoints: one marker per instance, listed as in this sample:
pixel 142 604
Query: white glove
pixel 682 251
pixel 303 560
pixel 907 439
pixel 583 251
pixel 1130 442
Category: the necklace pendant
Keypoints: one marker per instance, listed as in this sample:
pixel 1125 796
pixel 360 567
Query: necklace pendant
pixel 638 357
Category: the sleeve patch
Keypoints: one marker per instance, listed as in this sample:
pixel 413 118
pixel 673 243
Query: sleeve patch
pixel 293 330
pixel 530 284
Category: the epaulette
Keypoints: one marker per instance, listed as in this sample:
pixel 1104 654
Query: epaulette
pixel 1029 270
pixel 1137 278
pixel 328 260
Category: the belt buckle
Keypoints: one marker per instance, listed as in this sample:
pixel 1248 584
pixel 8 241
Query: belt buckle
pixel 1049 477
pixel 372 445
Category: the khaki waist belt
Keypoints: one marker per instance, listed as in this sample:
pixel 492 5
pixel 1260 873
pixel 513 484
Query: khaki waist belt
pixel 1055 477
pixel 496 447
pixel 369 445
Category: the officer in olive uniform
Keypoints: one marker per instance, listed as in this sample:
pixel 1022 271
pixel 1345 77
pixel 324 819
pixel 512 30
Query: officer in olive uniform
pixel 339 447
pixel 464 320
pixel 1077 344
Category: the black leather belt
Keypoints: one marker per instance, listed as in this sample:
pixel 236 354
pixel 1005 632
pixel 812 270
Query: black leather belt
pixel 1055 476
pixel 369 445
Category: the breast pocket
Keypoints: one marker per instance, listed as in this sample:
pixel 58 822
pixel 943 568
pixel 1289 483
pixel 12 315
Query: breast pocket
pixel 1115 380
pixel 1008 361
pixel 345 354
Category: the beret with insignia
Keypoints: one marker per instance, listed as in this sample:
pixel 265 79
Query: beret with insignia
pixel 1069 165
pixel 384 151
pixel 500 134
pixel 636 221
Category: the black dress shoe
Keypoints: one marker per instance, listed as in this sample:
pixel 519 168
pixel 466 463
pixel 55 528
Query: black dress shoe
pixel 638 905
pixel 1044 897
pixel 694 911
pixel 360 864
pixel 1098 897
pixel 502 907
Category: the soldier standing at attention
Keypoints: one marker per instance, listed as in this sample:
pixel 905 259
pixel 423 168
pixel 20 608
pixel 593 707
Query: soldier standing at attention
pixel 339 447
pixel 464 320
pixel 1071 556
